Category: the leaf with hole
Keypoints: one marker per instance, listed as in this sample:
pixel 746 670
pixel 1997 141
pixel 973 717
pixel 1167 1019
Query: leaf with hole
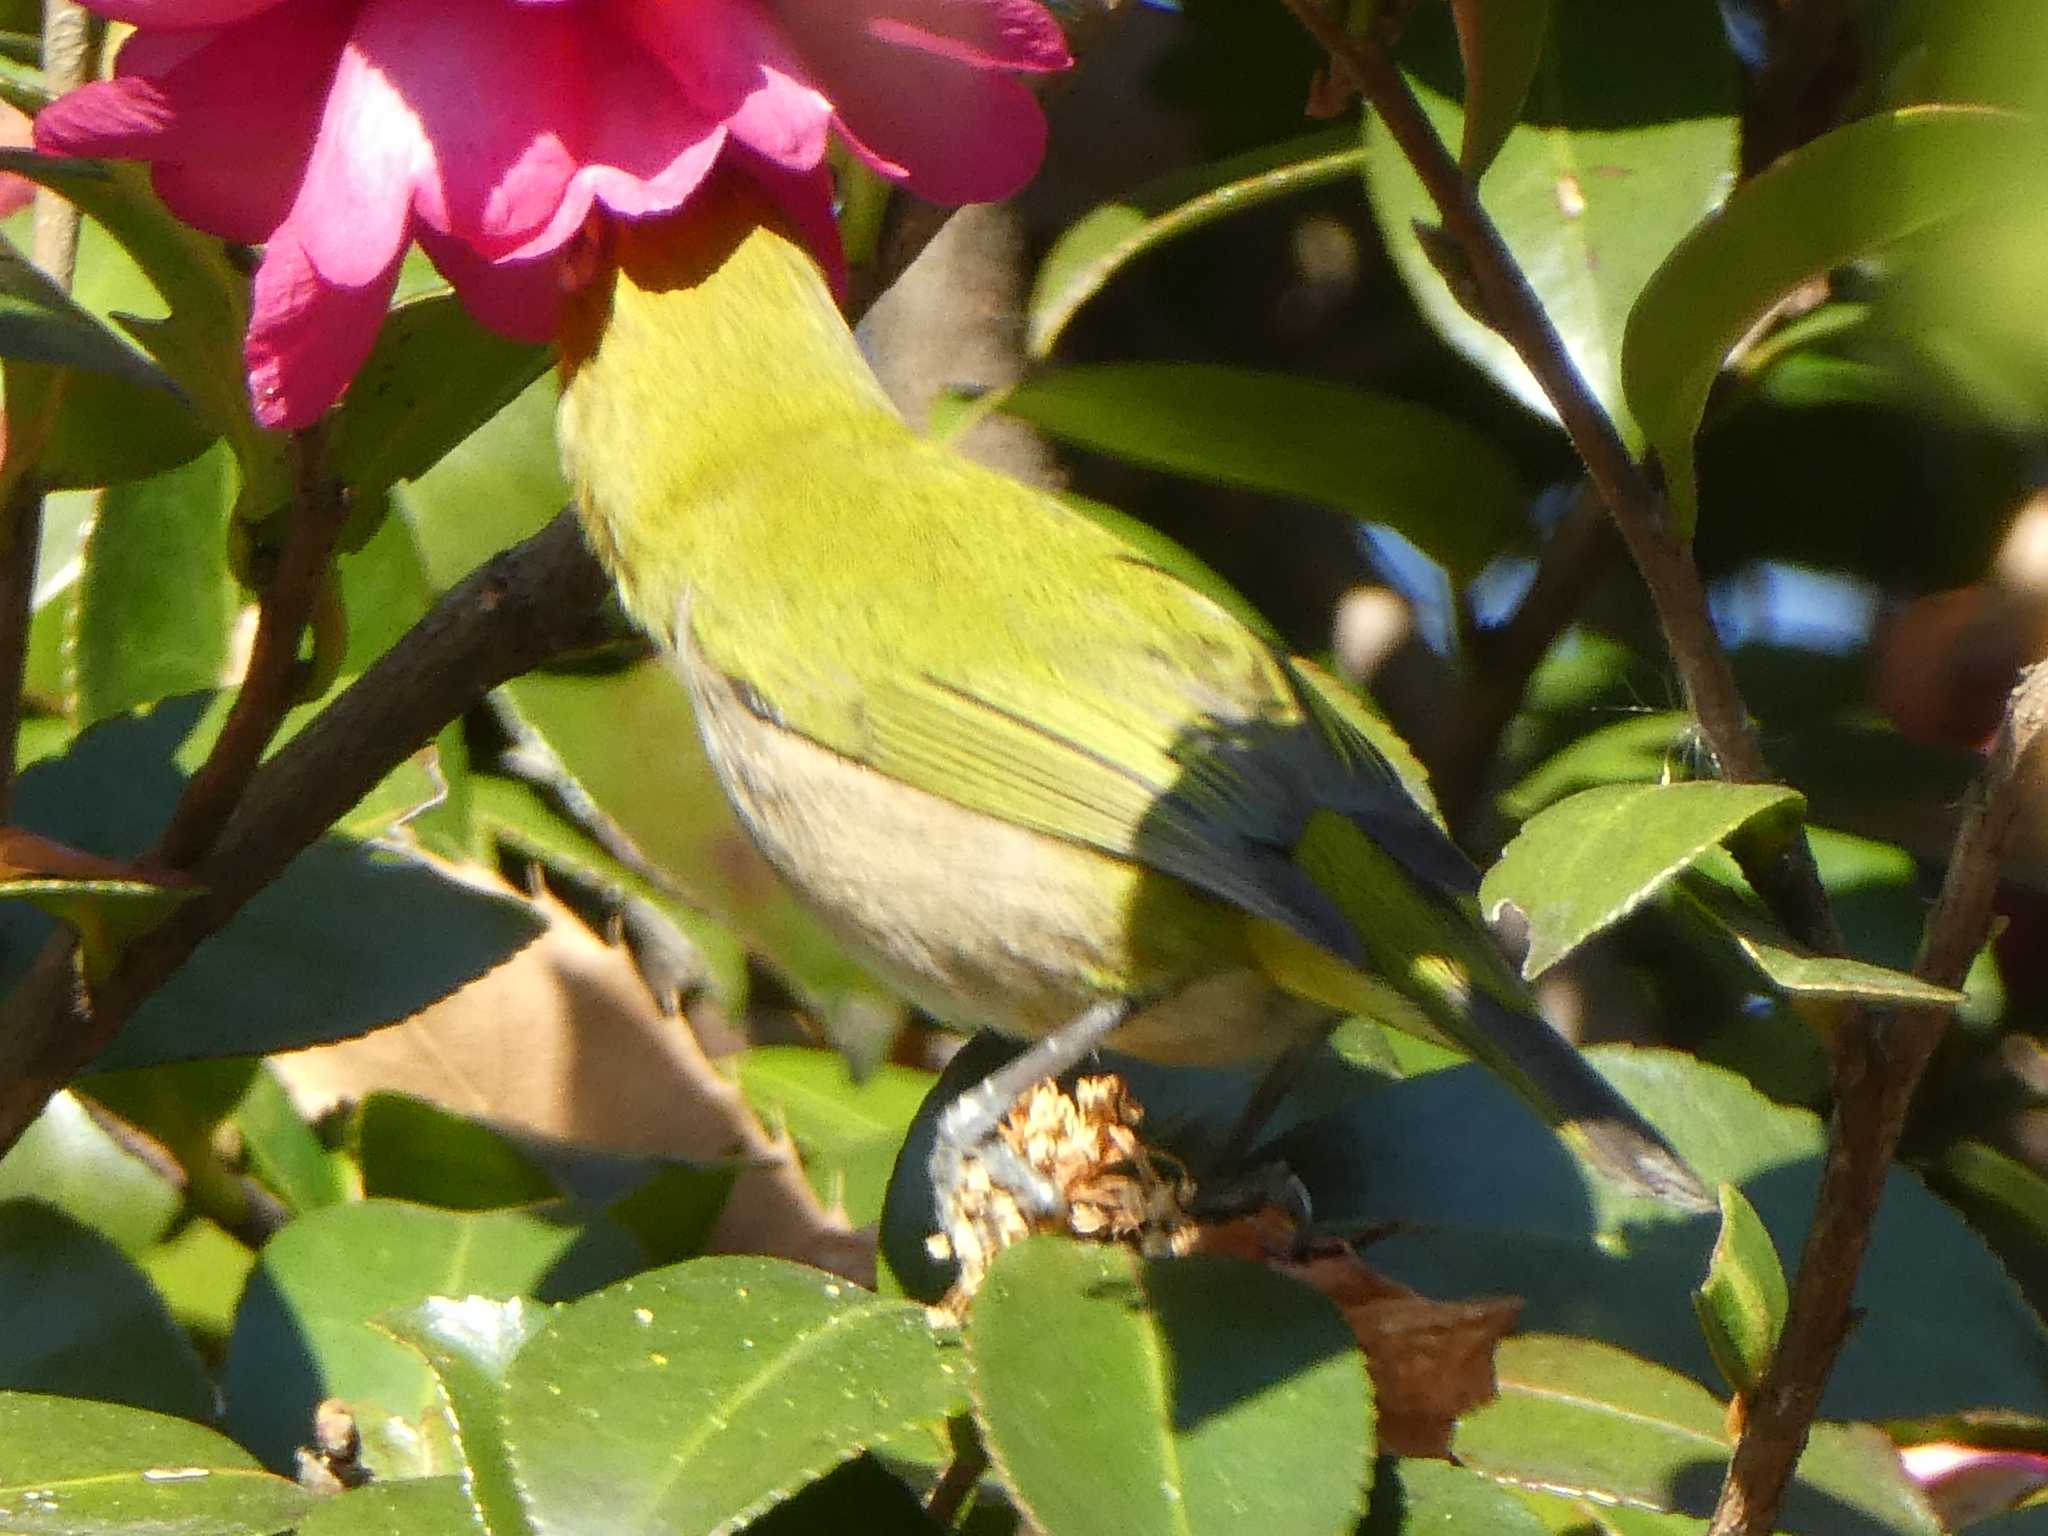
pixel 1585 863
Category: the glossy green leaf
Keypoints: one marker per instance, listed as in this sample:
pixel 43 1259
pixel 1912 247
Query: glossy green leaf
pixel 1800 973
pixel 1586 863
pixel 69 1160
pixel 690 1399
pixel 417 1506
pixel 1443 486
pixel 433 378
pixel 157 605
pixel 77 1468
pixel 1582 1415
pixel 1102 242
pixel 304 1332
pixel 411 1149
pixel 847 1133
pixel 1500 44
pixel 283 1151
pixel 1741 1302
pixel 1643 749
pixel 1483 1200
pixel 81 1318
pixel 1138 1371
pixel 1841 197
pixel 199 344
pixel 470 1345
pixel 1434 1498
pixel 1627 140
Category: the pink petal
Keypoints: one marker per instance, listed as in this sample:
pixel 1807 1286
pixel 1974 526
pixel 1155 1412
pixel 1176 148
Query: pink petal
pixel 228 159
pixel 307 336
pixel 182 13
pixel 735 65
pixel 952 135
pixel 371 157
pixel 519 299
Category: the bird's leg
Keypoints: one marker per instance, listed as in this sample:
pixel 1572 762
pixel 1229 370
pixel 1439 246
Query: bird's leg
pixel 1273 1087
pixel 967 1125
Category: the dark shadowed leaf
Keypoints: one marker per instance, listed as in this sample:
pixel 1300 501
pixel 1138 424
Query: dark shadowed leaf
pixel 81 1318
pixel 1105 240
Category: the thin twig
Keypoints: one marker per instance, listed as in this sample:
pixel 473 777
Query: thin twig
pixel 69 33
pixel 1578 551
pixel 534 602
pixel 270 686
pixel 962 1476
pixel 1786 878
pixel 1877 1071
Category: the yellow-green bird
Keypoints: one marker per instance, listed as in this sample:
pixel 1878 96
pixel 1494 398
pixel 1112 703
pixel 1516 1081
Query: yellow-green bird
pixel 1033 777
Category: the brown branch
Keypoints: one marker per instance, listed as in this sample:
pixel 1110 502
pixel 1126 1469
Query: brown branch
pixel 1877 1070
pixel 535 601
pixel 270 686
pixel 21 534
pixel 1786 877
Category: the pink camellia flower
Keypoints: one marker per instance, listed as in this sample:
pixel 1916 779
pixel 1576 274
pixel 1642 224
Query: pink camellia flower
pixel 334 132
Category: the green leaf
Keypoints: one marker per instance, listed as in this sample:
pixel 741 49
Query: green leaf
pixel 105 914
pixel 433 378
pixel 67 1159
pixel 1199 1394
pixel 77 1468
pixel 39 323
pixel 1443 486
pixel 282 1149
pixel 1800 973
pixel 470 1345
pixel 410 1149
pixel 1644 749
pixel 1500 44
pixel 1741 1302
pixel 1577 1414
pixel 1627 140
pixel 82 1319
pixel 1586 863
pixel 199 343
pixel 1482 1199
pixel 304 1332
pixel 157 605
pixel 690 1399
pixel 847 1133
pixel 1108 238
pixel 199 1271
pixel 1433 1496
pixel 1838 198
pixel 418 1506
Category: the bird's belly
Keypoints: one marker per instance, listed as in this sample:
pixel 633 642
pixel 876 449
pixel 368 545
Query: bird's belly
pixel 980 921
